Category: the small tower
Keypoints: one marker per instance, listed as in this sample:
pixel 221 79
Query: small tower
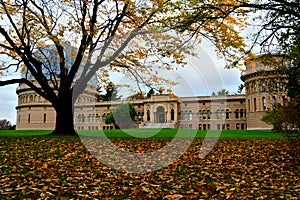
pixel 265 86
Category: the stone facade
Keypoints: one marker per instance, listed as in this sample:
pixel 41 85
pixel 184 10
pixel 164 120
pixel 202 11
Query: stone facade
pixel 264 86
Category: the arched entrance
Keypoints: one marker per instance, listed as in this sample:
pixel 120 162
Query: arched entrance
pixel 160 114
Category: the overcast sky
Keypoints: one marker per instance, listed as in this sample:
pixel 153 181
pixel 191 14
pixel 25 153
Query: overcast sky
pixel 203 75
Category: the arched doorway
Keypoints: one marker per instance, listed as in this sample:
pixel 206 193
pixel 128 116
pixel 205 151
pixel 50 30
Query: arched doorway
pixel 160 114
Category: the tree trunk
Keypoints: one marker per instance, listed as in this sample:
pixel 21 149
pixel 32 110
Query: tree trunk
pixel 64 116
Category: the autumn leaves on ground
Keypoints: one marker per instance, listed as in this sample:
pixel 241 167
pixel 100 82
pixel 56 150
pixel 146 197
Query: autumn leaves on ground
pixel 62 168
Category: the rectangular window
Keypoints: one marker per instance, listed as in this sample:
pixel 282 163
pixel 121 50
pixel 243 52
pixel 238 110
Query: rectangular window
pixel 223 114
pixel 218 114
pixel 218 126
pixel 199 114
pixel 28 118
pixel 208 126
pixel 204 126
pixel 237 126
pixel 254 104
pixel 45 117
pixel 242 126
pixel 208 114
pixel 186 115
pixel 190 126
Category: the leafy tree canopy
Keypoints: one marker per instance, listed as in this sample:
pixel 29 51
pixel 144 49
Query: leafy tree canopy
pixel 122 116
pixel 125 36
pixel 223 92
pixel 111 93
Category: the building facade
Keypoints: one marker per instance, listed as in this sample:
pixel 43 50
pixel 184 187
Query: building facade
pixel 264 86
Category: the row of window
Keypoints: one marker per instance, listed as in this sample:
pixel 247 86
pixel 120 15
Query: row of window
pixel 30 98
pixel 219 114
pixel 89 128
pixel 148 117
pixel 29 118
pixel 238 126
pixel 91 118
pixel 264 102
pixel 271 86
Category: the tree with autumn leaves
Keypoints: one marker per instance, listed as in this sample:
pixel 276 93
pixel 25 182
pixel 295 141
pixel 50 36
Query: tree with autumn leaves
pixel 279 33
pixel 96 37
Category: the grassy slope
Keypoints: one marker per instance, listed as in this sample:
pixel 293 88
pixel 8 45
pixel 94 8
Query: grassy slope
pixel 156 133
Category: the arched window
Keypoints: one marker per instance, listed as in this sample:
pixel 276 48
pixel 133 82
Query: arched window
pixel 45 117
pixel 148 115
pixel 223 114
pixel 237 126
pixel 97 117
pixel 263 86
pixel 264 103
pixel 172 115
pixel 236 113
pixel 241 113
pixel 273 100
pixel 227 114
pixel 272 86
pixel 31 98
pixel 103 116
pixel 82 118
pixel 199 114
pixel 208 114
pixel 218 114
pixel 255 87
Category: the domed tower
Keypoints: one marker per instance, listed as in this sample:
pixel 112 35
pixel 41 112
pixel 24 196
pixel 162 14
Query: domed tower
pixel 33 111
pixel 36 113
pixel 264 87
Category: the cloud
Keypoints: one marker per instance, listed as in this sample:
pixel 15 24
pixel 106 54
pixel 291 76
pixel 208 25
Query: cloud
pixel 8 102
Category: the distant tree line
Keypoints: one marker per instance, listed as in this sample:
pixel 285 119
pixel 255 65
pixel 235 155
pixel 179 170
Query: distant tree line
pixel 6 125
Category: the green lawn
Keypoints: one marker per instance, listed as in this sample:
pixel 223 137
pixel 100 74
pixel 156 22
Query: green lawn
pixel 157 133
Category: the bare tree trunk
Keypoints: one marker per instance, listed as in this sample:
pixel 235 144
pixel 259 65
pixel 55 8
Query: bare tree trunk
pixel 64 116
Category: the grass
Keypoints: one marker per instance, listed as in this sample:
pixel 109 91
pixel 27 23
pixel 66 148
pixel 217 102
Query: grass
pixel 157 133
pixel 24 133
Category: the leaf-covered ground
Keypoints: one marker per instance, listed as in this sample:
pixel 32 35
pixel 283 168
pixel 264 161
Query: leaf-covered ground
pixel 61 167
